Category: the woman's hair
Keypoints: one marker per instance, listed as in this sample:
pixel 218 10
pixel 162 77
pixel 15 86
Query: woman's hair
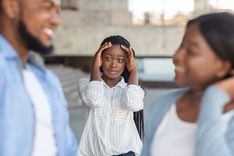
pixel 116 39
pixel 218 31
pixel 138 116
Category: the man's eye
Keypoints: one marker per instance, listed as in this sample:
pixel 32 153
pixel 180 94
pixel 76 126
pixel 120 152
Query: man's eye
pixel 47 5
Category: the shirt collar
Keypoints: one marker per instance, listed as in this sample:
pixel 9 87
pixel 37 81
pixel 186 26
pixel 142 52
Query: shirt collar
pixel 6 49
pixel 121 83
pixel 9 52
pixel 34 61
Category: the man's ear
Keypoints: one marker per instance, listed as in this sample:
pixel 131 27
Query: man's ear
pixel 232 72
pixel 11 8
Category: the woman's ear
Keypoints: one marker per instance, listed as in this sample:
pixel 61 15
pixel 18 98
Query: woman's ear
pixel 224 70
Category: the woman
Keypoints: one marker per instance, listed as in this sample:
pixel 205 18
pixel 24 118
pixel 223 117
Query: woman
pixel 198 120
pixel 111 94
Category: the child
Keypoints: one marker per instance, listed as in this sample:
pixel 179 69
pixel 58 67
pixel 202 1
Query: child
pixel 111 100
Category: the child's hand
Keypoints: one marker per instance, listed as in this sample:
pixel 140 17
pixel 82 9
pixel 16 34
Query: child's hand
pixel 227 85
pixel 98 55
pixel 131 65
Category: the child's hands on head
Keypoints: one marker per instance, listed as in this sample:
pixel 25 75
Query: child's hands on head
pixel 131 65
pixel 98 55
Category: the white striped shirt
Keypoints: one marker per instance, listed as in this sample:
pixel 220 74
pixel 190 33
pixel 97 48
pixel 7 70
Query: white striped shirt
pixel 110 128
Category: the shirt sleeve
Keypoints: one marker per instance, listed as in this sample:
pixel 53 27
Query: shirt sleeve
pixel 68 137
pixel 1 79
pixel 133 97
pixel 70 143
pixel 211 134
pixel 91 93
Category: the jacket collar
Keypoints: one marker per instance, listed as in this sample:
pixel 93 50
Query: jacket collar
pixel 9 52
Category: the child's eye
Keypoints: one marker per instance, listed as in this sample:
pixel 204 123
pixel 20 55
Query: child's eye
pixel 107 58
pixel 120 60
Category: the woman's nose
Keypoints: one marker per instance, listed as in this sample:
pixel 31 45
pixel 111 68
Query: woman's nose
pixel 113 63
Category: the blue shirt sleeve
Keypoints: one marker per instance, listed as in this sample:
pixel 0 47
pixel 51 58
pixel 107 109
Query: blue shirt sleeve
pixel 69 139
pixel 1 78
pixel 211 134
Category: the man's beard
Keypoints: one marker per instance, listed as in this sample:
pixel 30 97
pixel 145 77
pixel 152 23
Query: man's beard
pixel 31 42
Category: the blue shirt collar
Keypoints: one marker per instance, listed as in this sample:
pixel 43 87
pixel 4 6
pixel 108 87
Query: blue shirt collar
pixel 6 49
pixel 9 52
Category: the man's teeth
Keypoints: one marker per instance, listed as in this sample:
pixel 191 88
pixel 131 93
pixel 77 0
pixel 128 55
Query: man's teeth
pixel 49 32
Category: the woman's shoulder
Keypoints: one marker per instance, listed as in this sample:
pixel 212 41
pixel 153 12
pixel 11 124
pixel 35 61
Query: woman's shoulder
pixel 167 99
pixel 172 95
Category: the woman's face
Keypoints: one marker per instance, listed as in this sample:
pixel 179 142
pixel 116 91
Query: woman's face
pixel 199 66
pixel 178 60
pixel 113 62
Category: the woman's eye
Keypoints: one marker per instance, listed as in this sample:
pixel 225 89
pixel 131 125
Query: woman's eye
pixel 107 58
pixel 190 52
pixel 120 60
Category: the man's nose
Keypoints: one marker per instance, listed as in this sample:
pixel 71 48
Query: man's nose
pixel 55 19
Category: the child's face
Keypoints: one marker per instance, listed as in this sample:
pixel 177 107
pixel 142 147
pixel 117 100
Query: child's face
pixel 113 62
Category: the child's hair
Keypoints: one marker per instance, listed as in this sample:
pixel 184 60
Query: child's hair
pixel 138 116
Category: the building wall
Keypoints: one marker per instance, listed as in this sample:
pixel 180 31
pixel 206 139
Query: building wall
pixel 96 12
pixel 146 40
pixel 83 30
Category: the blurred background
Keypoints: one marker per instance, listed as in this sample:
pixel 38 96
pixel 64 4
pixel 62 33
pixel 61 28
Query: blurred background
pixel 154 28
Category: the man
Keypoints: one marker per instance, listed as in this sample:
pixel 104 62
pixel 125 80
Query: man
pixel 33 112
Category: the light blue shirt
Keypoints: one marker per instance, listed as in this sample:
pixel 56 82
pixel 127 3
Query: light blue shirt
pixel 211 137
pixel 17 114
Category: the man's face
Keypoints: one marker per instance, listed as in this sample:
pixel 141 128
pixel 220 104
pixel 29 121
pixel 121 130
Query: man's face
pixel 37 22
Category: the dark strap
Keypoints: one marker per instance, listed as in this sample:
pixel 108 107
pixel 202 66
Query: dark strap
pixel 139 121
